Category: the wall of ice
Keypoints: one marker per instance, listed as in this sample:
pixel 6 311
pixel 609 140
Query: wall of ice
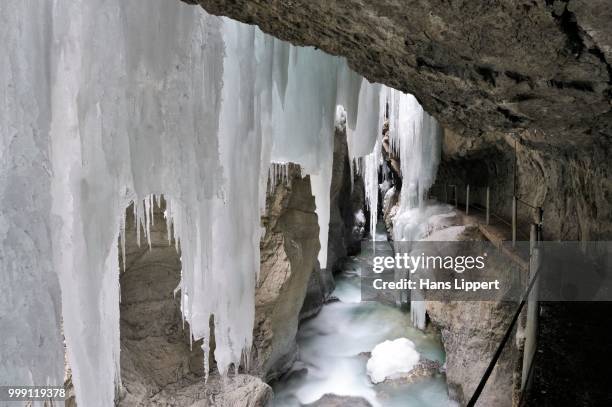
pixel 31 348
pixel 111 102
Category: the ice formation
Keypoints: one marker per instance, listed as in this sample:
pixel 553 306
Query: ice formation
pixel 371 164
pixel 391 358
pixel 110 102
pixel 416 137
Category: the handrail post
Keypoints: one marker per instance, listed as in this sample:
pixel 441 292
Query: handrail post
pixel 467 199
pixel 514 220
pixel 487 204
pixel 531 324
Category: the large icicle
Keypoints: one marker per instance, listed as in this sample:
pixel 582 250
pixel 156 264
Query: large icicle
pixel 369 118
pixel 416 136
pixel 136 101
pixel 304 125
pixel 370 178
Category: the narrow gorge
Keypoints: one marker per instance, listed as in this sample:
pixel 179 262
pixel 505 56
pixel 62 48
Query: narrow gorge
pixel 200 201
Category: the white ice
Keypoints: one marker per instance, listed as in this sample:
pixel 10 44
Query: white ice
pixel 110 102
pixel 390 358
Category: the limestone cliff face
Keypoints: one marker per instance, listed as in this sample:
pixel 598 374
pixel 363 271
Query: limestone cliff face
pixel 572 185
pixel 471 332
pixel 289 251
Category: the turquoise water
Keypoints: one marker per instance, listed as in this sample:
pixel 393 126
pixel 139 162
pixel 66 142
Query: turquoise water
pixel 330 345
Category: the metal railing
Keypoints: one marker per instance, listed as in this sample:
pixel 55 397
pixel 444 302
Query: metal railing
pixel 515 201
pixel 529 297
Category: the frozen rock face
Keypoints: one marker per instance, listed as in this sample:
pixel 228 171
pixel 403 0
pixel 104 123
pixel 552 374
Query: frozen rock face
pixel 390 207
pixel 346 224
pixel 288 256
pixel 475 66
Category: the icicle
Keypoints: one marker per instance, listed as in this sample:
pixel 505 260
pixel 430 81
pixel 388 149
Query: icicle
pixel 415 137
pixel 148 212
pixel 363 136
pixel 122 240
pixel 152 206
pixel 370 175
pixel 206 351
pixel 418 313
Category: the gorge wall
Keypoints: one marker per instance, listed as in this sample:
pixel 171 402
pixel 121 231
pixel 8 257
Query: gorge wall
pixel 535 71
pixel 289 251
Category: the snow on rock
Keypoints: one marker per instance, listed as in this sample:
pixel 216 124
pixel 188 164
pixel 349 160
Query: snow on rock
pixel 390 358
pixel 449 234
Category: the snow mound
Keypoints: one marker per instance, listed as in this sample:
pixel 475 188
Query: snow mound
pixel 390 358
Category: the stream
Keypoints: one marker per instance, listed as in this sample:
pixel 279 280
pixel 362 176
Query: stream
pixel 332 345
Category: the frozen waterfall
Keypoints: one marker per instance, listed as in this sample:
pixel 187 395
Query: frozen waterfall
pixel 110 102
pixel 416 137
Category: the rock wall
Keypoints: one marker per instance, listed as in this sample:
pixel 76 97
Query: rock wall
pixel 572 185
pixel 347 225
pixel 499 65
pixel 289 251
pixel 471 332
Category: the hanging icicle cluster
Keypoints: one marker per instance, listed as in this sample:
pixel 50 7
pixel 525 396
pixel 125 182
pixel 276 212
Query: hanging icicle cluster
pixel 116 102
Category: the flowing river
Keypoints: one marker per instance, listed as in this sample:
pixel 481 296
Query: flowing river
pixel 333 349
